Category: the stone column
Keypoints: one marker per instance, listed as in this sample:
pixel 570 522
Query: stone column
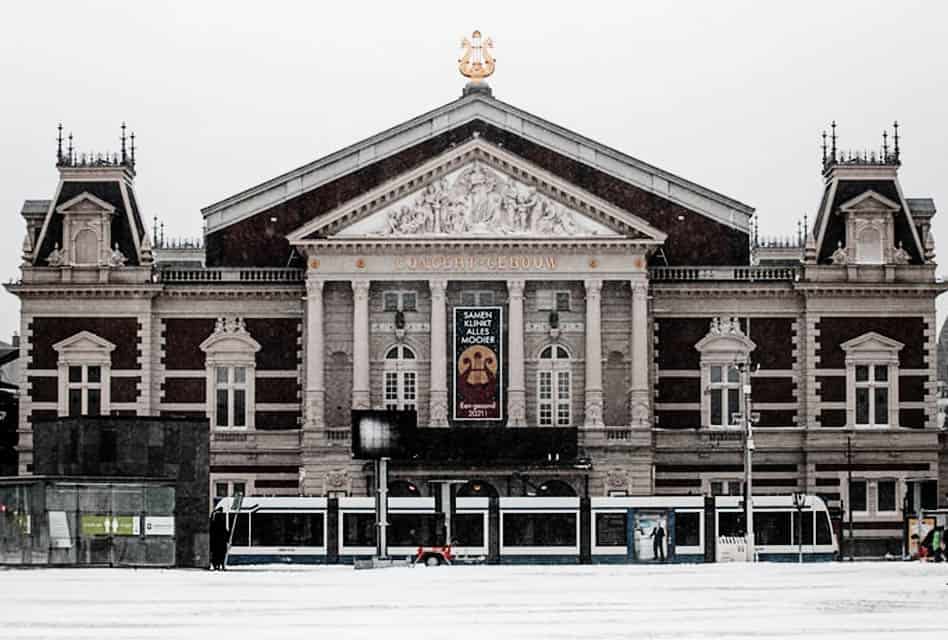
pixel 516 389
pixel 639 405
pixel 360 345
pixel 315 356
pixel 438 386
pixel 593 353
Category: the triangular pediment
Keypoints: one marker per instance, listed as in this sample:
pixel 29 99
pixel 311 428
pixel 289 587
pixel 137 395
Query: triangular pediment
pixel 84 341
pixel 85 202
pixel 871 342
pixel 478 190
pixel 869 201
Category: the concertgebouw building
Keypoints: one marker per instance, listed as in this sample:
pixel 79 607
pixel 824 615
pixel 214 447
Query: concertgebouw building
pixel 565 320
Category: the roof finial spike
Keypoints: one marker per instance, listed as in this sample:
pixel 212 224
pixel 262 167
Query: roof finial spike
pixel 59 143
pixel 133 148
pixel 824 147
pixel 806 225
pixel 72 158
pixel 123 142
pixel 833 138
pixel 885 146
pixel 162 233
pixel 154 231
pixel 799 232
pixel 895 135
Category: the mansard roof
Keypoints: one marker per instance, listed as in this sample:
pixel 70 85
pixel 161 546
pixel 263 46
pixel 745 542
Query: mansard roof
pixel 111 188
pixel 847 187
pixel 251 227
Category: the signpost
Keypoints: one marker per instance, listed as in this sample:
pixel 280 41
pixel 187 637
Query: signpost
pixel 799 501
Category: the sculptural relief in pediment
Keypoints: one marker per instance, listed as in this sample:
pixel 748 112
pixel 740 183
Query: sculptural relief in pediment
pixel 477 200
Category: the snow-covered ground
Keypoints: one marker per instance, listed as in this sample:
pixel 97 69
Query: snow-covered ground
pixel 862 600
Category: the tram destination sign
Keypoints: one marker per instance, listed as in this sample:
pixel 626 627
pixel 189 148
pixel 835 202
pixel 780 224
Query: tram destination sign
pixel 478 369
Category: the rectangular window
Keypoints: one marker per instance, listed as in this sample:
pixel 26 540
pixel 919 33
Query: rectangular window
pixel 562 397
pixel 611 530
pixel 731 523
pixel 84 390
pixel 562 300
pixel 929 494
pixel 772 527
pixel 885 490
pixel 240 523
pixel 409 301
pixel 857 495
pixel 231 396
pixel 539 530
pixel 358 529
pixel 872 395
pixel 724 395
pixel 477 298
pixel 390 300
pixel 239 488
pixel 545 397
pixel 287 530
pixel 409 390
pixel 413 529
pixel 220 491
pixel 468 530
pixel 823 531
pixel 687 529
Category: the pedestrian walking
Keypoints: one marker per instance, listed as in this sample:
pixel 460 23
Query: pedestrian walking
pixel 219 539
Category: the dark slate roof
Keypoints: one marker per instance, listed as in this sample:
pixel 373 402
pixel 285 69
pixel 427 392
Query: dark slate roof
pixel 110 191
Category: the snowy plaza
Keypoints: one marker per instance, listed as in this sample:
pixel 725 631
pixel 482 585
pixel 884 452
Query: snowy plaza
pixel 832 600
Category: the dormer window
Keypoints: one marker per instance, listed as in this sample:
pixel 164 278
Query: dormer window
pixel 870 231
pixel 87 233
pixel 872 380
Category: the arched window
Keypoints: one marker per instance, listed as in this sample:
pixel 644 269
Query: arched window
pixel 555 489
pixel 477 489
pixel 869 246
pixel 401 378
pixel 554 387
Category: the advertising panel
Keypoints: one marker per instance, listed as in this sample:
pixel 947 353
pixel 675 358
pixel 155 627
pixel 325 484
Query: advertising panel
pixel 478 369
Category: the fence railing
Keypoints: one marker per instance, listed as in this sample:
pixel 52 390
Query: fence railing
pixel 742 274
pixel 212 275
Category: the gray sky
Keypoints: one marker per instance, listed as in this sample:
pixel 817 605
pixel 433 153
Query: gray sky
pixel 224 95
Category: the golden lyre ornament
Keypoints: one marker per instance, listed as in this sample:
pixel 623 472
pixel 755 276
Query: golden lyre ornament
pixel 476 62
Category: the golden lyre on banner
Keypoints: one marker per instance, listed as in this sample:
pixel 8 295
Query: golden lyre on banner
pixel 476 62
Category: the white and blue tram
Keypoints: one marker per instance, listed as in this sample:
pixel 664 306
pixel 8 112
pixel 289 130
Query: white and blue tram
pixel 567 530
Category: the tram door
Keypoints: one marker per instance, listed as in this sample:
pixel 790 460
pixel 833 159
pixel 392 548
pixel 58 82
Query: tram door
pixel 650 535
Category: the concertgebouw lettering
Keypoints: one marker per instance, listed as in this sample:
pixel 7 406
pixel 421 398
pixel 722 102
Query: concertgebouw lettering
pixel 440 262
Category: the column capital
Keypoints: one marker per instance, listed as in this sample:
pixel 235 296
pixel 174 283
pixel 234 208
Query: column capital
pixel 360 289
pixel 437 286
pixel 314 285
pixel 639 286
pixel 515 288
pixel 593 286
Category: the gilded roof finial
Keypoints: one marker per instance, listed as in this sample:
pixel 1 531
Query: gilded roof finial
pixel 476 62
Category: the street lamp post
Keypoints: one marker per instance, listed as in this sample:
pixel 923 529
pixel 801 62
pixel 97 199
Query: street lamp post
pixel 748 462
pixel 799 501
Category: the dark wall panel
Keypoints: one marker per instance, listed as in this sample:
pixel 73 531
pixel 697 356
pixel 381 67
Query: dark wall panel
pixel 47 331
pixel 835 331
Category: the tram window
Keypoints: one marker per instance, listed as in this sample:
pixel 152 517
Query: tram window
pixel 731 523
pixel 241 533
pixel 539 529
pixel 413 529
pixel 287 530
pixel 687 529
pixel 358 529
pixel 468 529
pixel 823 535
pixel 611 530
pixel 772 527
pixel 807 528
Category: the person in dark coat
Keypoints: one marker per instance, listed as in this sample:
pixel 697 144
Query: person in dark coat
pixel 658 542
pixel 220 536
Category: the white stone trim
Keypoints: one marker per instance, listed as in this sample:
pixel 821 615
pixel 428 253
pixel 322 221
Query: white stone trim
pixel 84 349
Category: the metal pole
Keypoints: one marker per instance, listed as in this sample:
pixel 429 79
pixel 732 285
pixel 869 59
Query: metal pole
pixel 748 465
pixel 381 506
pixel 849 475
